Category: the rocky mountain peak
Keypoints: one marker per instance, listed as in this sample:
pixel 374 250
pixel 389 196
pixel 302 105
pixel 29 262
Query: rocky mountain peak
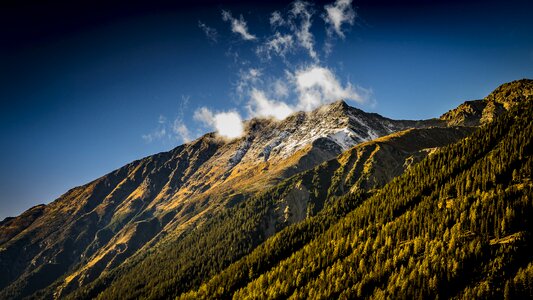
pixel 339 106
pixel 476 112
pixel 325 131
pixel 512 92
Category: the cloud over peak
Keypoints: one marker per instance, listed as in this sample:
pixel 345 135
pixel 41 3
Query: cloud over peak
pixel 265 88
pixel 318 85
pixel 312 87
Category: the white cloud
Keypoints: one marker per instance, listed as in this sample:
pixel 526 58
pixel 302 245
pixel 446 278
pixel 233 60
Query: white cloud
pixel 260 106
pixel 211 33
pixel 293 30
pixel 328 48
pixel 314 86
pixel 318 85
pixel 227 124
pixel 180 130
pixel 254 73
pixel 279 44
pixel 301 10
pixel 337 14
pixel 238 26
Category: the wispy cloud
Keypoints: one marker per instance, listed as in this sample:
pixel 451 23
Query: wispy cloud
pixel 339 13
pixel 292 29
pixel 173 131
pixel 180 130
pixel 300 22
pixel 280 88
pixel 279 44
pixel 159 133
pixel 210 33
pixel 238 26
pixel 154 135
pixel 247 79
pixel 301 87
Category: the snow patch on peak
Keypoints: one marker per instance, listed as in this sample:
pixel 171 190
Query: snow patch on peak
pixel 345 138
pixel 272 141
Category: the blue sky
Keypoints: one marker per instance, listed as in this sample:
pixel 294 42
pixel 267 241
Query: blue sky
pixel 88 87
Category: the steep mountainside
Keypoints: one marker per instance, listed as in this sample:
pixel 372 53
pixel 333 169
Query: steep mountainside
pixel 162 225
pixel 453 226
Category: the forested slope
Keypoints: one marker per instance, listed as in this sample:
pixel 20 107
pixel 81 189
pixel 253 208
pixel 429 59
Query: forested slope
pixel 454 225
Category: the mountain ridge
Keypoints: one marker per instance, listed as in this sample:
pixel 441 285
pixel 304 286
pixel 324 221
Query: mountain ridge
pixel 86 225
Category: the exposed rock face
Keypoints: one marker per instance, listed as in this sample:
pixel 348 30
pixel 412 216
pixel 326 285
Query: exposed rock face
pixel 93 228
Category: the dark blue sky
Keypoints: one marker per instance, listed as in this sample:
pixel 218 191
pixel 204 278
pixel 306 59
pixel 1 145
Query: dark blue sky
pixel 87 87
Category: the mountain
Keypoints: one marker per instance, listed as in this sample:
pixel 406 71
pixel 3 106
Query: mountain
pixel 176 265
pixel 99 225
pixel 162 225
